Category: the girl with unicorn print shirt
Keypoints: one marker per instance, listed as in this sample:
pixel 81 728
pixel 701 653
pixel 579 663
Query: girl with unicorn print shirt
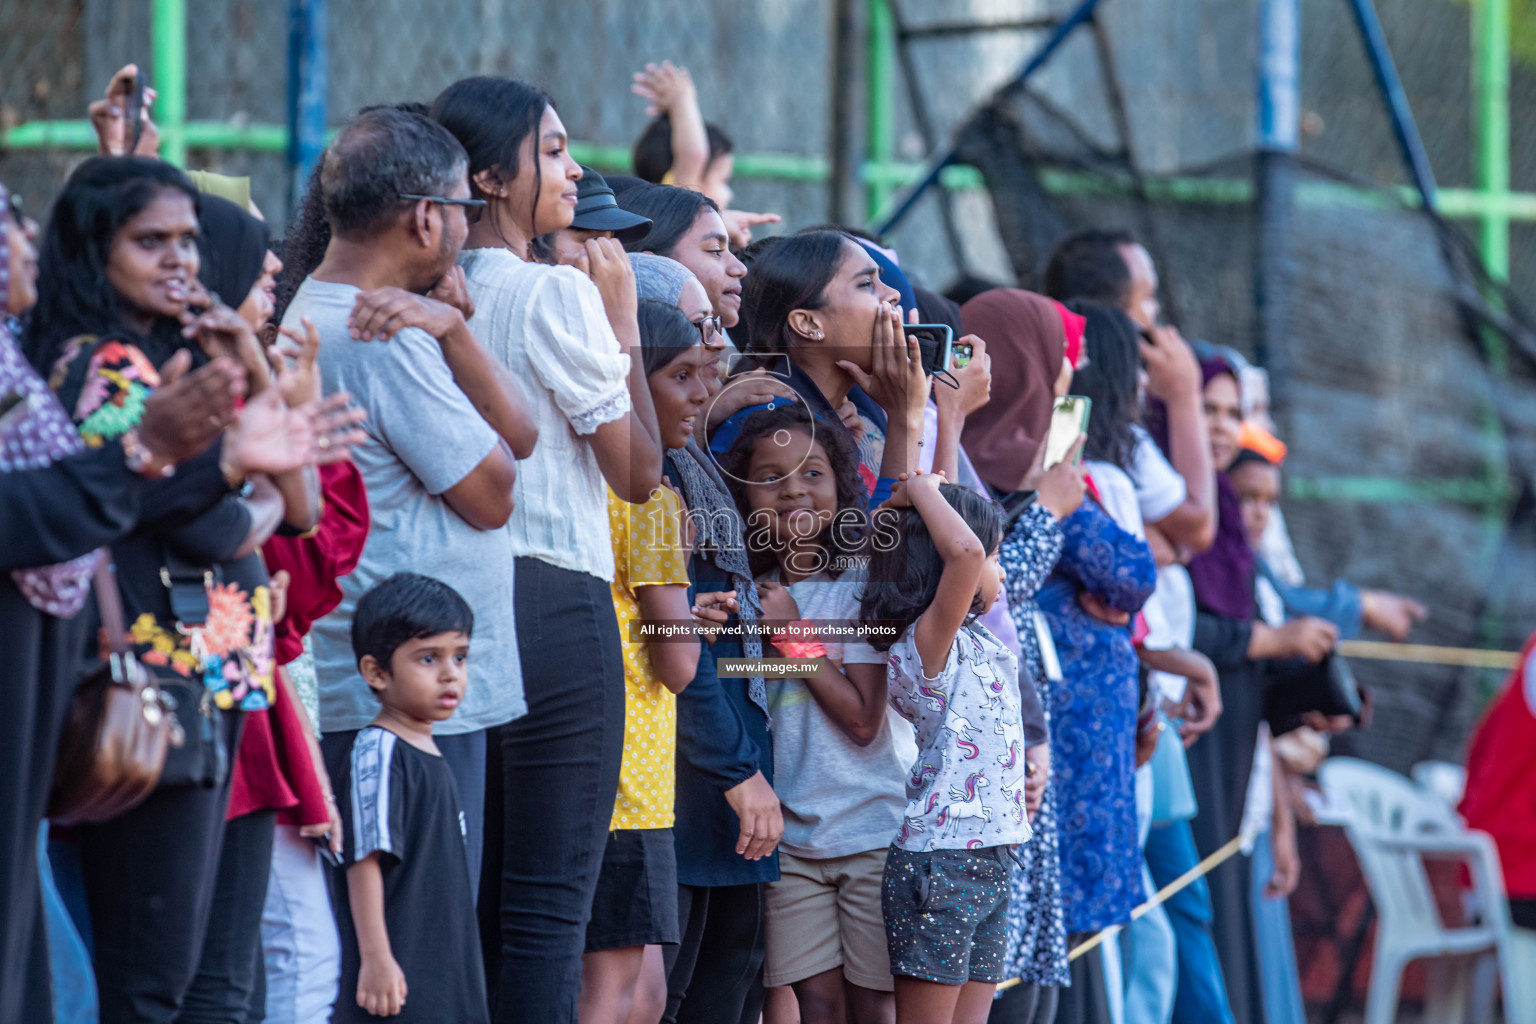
pixel 945 890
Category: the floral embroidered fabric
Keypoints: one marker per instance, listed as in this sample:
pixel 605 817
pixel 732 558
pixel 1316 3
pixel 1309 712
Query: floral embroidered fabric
pixel 232 651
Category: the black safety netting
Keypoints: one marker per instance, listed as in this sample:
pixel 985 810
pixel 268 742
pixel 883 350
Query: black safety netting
pixel 1403 377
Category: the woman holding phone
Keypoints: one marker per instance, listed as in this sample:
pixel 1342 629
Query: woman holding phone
pixel 1102 578
pixel 817 313
pixel 571 338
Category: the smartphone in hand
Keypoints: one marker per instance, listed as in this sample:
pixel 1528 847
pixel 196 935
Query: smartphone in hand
pixel 1069 419
pixel 133 113
pixel 935 343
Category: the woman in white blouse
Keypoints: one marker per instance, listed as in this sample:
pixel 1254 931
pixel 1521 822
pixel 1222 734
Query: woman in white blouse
pixel 571 339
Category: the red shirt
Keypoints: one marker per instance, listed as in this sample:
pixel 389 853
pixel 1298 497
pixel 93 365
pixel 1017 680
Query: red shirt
pixel 273 768
pixel 317 560
pixel 1500 797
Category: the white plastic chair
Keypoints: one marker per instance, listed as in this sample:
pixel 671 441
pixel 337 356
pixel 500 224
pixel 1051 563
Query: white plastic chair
pixel 1442 778
pixel 1393 826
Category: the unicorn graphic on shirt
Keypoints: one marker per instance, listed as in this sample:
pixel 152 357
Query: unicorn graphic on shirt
pixel 962 728
pixel 1010 759
pixel 910 826
pixel 936 699
pixel 921 777
pixel 967 804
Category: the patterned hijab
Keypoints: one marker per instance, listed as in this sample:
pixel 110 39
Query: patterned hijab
pixel 718 525
pixel 36 432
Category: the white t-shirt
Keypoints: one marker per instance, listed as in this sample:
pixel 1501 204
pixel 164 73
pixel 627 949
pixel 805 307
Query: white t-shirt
pixel 1159 487
pixel 547 326
pixel 839 798
pixel 1170 611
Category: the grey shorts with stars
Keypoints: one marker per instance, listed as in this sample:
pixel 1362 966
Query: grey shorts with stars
pixel 946 913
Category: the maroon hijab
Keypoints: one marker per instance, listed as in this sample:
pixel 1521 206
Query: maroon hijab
pixel 1026 341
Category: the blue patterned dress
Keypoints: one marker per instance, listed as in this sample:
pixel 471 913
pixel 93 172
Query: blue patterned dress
pixel 1037 937
pixel 1093 712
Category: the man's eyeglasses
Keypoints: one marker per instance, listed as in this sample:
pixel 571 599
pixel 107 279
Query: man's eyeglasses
pixel 710 328
pixel 472 207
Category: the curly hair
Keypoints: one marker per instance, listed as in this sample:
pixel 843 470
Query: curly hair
pixel 74 296
pixel 848 534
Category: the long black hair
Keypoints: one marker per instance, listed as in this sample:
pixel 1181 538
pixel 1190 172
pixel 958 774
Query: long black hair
pixel 73 295
pixel 492 117
pixel 848 533
pixel 790 272
pixel 665 333
pixel 904 577
pixel 1111 340
pixel 672 212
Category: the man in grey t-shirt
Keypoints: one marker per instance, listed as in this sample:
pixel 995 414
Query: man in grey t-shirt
pixel 443 423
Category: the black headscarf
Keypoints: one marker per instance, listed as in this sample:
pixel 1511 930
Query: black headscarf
pixel 233 245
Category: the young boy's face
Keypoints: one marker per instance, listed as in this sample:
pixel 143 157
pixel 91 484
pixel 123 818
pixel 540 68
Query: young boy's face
pixel 426 677
pixel 1258 486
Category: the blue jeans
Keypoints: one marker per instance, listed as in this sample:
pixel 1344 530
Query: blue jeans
pixel 1281 983
pixel 74 986
pixel 1201 996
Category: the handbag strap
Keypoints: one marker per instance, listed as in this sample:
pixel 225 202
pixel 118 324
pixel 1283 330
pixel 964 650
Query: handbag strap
pixel 109 604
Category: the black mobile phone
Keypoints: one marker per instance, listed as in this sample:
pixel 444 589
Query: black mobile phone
pixel 963 351
pixel 934 342
pixel 133 113
pixel 323 844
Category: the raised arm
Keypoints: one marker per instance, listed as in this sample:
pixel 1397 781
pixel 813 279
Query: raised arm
pixel 964 561
pixel 669 90
pixel 1174 376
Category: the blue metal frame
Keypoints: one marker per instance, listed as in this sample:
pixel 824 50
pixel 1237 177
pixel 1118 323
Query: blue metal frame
pixel 935 164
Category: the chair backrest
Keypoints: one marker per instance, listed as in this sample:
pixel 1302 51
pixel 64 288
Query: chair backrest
pixel 1385 806
pixel 1444 779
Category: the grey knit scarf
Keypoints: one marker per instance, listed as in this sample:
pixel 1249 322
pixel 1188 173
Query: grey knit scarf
pixel 719 530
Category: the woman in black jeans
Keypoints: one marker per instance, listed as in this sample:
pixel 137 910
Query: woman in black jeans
pixel 571 340
pixel 118 273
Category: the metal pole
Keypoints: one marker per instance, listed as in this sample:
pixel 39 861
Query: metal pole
pixel 845 203
pixel 879 100
pixel 308 78
pixel 1279 109
pixel 934 166
pixel 1397 101
pixel 168 48
pixel 1491 87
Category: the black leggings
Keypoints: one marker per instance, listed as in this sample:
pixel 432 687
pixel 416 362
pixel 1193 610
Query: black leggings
pixel 715 975
pixel 558 781
pixel 149 882
pixel 223 989
pixel 1025 1004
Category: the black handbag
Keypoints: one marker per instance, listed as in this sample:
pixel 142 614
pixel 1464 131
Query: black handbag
pixel 203 758
pixel 1295 687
